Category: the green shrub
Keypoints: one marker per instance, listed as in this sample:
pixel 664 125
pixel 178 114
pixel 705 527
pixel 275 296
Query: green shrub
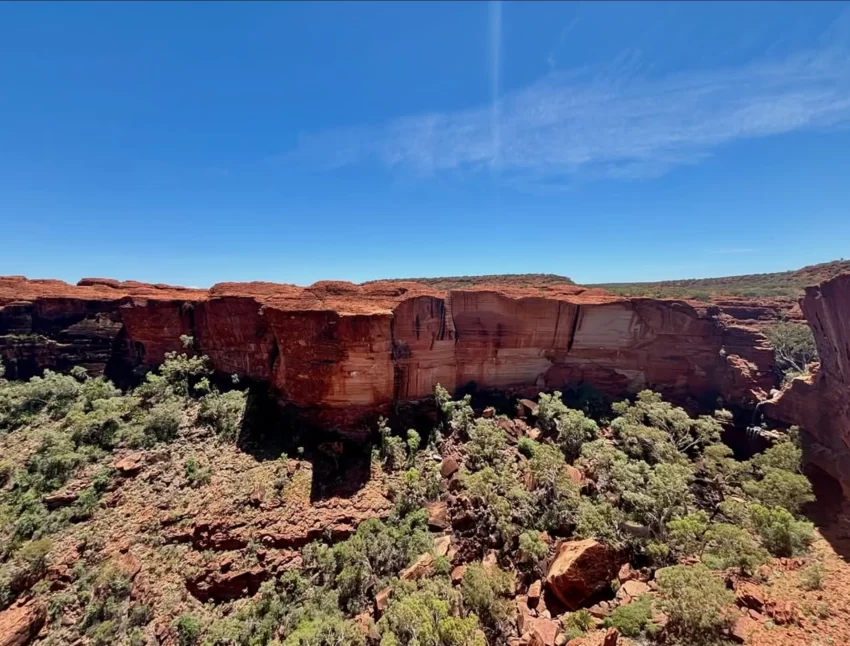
pixel 393 448
pixel 687 435
pixel 180 371
pixel 504 505
pixel 51 395
pixel 104 633
pixel 412 441
pixel 686 535
pixel 532 548
pixel 195 474
pixel 486 445
pixel 732 546
pixel 457 416
pixel 600 520
pixel 633 619
pixel 410 496
pixel 695 601
pixel 223 413
pixel 786 456
pixel 780 532
pixel 188 629
pixel 365 562
pixel 573 427
pixel 107 601
pixel 577 623
pixel 659 495
pixel 6 471
pixel 812 577
pixel 527 446
pixel 87 504
pixel 162 422
pixel 486 592
pixel 780 488
pixel 557 496
pixel 793 346
pixel 325 629
pixel 722 471
pixel 140 614
pixel 54 462
pixel 423 617
pixel 26 567
pixel 280 607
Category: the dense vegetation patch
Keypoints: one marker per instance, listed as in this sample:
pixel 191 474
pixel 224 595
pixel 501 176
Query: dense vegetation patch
pixel 648 480
pixel 783 285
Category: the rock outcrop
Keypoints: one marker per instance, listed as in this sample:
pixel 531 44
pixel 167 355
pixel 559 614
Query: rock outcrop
pixel 20 624
pixel 581 569
pixel 339 351
pixel 820 403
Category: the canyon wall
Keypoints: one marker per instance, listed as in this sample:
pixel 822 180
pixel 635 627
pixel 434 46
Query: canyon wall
pixel 341 352
pixel 820 403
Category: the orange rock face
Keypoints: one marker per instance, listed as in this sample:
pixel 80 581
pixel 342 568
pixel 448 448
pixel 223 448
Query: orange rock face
pixel 820 404
pixel 343 350
pixel 581 569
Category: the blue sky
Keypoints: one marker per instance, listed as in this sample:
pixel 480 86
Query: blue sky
pixel 201 142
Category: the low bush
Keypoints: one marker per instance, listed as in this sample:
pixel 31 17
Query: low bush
pixel 780 532
pixel 424 616
pixel 572 427
pixel 780 488
pixel 527 447
pixel 732 546
pixel 486 445
pixel 223 413
pixel 504 505
pixel 162 421
pixel 686 535
pixel 393 448
pixel 188 629
pixel 366 561
pixel 532 548
pixel 696 603
pixel 487 592
pixel 457 416
pixel 812 577
pixel 577 623
pixel 600 520
pixel 633 619
pixel 196 475
pixel 556 495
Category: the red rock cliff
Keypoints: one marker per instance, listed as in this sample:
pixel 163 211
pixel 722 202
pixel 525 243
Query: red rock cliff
pixel 820 404
pixel 344 350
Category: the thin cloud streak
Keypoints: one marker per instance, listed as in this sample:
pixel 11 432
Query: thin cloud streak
pixel 495 12
pixel 590 124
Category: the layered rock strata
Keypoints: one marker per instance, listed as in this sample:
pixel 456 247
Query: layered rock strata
pixel 820 403
pixel 342 351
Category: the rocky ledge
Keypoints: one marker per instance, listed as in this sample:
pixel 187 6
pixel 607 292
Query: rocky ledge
pixel 340 351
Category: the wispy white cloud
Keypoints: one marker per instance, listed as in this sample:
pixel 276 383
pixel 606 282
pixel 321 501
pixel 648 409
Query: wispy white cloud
pixel 589 124
pixel 495 78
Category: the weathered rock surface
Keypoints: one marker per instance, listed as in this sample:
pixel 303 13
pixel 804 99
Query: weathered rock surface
pixel 820 404
pixel 340 351
pixel 225 586
pixel 580 569
pixel 20 624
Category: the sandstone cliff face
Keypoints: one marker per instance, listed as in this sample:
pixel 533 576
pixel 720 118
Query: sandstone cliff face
pixel 820 404
pixel 342 350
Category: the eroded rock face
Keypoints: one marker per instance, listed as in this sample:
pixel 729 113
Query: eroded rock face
pixel 820 404
pixel 581 569
pixel 341 351
pixel 20 624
